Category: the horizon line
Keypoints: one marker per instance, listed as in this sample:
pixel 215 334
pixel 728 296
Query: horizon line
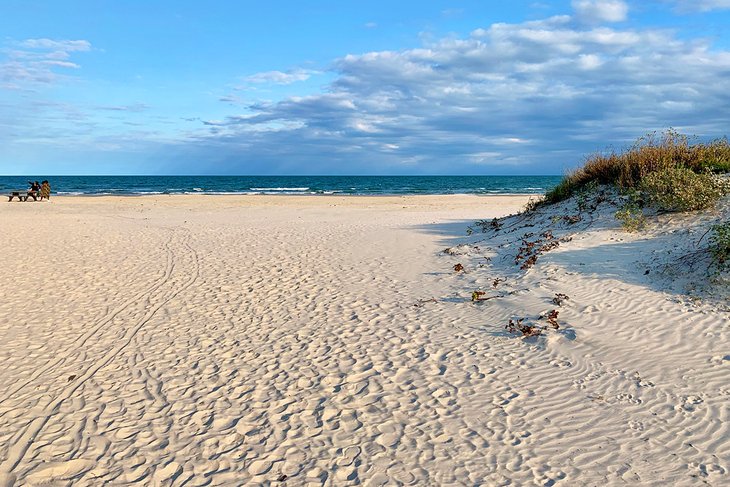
pixel 290 175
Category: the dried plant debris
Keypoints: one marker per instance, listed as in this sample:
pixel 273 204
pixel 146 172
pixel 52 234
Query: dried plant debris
pixel 530 249
pixel 560 298
pixel 496 282
pixel 422 302
pixel 458 268
pixel 461 249
pixel 527 330
pixel 486 225
pixel 552 318
pixel 478 296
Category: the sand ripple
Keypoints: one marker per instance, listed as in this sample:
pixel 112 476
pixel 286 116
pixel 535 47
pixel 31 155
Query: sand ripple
pixel 281 346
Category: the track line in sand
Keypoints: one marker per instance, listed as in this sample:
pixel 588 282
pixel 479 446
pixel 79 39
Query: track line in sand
pixel 17 451
pixel 100 323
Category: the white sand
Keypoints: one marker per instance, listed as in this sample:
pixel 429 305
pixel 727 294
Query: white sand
pixel 196 340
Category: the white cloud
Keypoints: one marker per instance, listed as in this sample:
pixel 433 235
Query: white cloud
pixel 280 77
pixel 701 5
pixel 530 95
pixel 33 62
pixel 509 97
pixel 135 107
pixel 601 10
pixel 51 45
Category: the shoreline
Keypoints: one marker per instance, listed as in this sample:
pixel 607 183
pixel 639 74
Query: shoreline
pixel 470 202
pixel 302 195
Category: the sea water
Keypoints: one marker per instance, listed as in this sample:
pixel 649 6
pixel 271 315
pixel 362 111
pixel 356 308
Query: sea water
pixel 305 185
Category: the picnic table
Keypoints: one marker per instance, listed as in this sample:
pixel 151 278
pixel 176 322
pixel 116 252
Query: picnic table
pixel 23 195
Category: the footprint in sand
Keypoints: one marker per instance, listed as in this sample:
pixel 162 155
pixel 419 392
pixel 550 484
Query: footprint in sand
pixel 690 403
pixel 60 471
pixel 720 360
pixel 636 425
pixel 505 398
pixel 372 449
pixel 349 421
pixel 390 434
pixel 316 476
pixel 260 467
pixel 402 474
pixel 627 398
pixel 380 479
pixel 346 473
pixel 348 456
pixel 707 470
pixel 168 473
pixel 202 419
pixel 561 362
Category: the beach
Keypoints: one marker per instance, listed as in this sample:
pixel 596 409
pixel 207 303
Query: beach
pixel 323 340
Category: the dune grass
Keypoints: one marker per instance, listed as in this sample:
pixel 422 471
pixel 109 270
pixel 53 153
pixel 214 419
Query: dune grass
pixel 670 152
pixel 720 244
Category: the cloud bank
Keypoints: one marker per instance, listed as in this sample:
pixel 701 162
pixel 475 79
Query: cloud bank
pixel 511 98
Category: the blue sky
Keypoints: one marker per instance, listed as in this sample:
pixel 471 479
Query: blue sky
pixel 325 87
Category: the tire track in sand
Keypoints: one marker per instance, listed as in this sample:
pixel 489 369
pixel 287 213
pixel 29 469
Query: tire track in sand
pixel 100 323
pixel 17 451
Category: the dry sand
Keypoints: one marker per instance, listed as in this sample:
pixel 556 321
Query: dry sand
pixel 196 340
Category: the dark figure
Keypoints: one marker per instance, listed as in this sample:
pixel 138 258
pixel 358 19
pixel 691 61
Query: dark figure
pixel 34 190
pixel 45 190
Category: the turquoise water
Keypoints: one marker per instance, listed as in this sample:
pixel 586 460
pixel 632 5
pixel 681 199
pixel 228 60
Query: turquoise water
pixel 345 185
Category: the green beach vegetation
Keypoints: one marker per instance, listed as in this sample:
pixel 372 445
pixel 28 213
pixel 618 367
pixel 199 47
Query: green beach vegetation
pixel 720 244
pixel 656 165
pixel 665 172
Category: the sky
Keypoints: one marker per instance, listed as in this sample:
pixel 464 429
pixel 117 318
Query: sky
pixel 347 88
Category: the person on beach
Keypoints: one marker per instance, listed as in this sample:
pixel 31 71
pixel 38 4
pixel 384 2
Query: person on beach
pixel 45 190
pixel 34 190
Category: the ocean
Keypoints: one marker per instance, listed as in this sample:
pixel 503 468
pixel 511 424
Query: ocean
pixel 305 185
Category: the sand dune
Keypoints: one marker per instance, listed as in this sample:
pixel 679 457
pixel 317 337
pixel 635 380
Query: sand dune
pixel 192 340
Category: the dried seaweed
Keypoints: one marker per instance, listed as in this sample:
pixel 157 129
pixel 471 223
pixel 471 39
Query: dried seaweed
pixel 529 250
pixel 478 296
pixel 527 330
pixel 552 319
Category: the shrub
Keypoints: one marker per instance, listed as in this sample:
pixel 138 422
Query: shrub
pixel 714 156
pixel 584 193
pixel 532 205
pixel 631 217
pixel 720 244
pixel 681 189
pixel 649 154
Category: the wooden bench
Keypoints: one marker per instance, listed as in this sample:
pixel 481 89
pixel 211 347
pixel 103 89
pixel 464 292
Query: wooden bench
pixel 24 195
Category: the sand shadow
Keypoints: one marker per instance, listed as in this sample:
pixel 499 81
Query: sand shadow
pixel 654 262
